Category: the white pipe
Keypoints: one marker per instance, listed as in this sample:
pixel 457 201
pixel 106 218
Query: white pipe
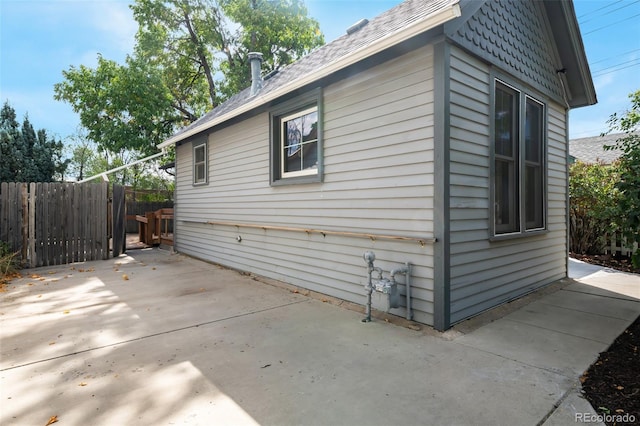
pixel 104 174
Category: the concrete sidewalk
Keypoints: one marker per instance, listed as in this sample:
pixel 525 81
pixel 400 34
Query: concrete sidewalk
pixel 153 338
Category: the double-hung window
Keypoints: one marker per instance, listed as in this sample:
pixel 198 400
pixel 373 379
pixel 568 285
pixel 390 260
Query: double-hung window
pixel 296 140
pixel 200 163
pixel 519 154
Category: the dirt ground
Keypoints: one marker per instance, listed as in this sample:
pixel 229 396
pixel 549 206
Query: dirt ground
pixel 611 384
pixel 619 263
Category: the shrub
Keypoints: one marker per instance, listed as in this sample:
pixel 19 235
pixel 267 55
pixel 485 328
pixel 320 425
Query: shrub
pixel 629 183
pixel 9 264
pixel 593 205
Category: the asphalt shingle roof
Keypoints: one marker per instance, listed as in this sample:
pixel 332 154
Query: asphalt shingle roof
pixel 591 149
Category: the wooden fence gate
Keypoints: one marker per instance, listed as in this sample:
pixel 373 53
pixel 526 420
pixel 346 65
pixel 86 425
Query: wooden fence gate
pixel 60 223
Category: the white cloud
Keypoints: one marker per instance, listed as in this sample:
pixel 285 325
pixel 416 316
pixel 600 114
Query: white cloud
pixel 115 21
pixel 42 38
pixel 103 26
pixel 602 82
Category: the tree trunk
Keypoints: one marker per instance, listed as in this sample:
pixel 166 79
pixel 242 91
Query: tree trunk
pixel 202 59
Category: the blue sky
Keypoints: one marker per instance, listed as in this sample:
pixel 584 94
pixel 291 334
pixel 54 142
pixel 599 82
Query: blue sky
pixel 41 38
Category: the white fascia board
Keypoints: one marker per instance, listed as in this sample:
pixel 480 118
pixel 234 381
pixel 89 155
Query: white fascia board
pixel 452 11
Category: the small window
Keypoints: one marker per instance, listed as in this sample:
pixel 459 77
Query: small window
pixel 518 162
pixel 200 164
pixel 296 140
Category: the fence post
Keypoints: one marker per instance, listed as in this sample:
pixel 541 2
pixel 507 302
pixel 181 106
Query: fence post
pixel 24 229
pixel 103 225
pixel 32 225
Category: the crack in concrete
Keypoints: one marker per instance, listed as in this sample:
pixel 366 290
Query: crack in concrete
pixel 161 333
pixel 549 370
pixel 556 405
pixel 554 330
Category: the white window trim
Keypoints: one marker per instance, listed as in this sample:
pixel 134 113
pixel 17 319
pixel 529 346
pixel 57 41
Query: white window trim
pixel 283 120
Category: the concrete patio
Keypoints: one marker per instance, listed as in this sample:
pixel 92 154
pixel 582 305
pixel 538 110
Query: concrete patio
pixel 154 338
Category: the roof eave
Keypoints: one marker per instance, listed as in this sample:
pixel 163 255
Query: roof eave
pixel 440 17
pixel 564 25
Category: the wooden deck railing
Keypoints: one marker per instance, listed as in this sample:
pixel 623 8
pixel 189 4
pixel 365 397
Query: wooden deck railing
pixel 154 229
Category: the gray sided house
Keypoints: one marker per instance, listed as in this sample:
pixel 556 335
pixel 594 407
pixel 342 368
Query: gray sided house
pixel 435 134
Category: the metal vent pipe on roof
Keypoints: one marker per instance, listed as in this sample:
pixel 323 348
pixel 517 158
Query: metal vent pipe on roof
pixel 355 27
pixel 255 59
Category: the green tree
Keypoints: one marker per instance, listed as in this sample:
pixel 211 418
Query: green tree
pixel 181 38
pixel 190 56
pixel 85 158
pixel 628 208
pixel 27 155
pixel 280 30
pixel 88 160
pixel 10 144
pixel 123 107
pixel 202 45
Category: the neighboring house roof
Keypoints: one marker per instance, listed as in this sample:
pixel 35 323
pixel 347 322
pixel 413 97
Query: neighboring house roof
pixel 408 19
pixel 591 149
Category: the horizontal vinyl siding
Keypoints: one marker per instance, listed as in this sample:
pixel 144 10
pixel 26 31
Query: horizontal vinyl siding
pixel 378 179
pixel 485 273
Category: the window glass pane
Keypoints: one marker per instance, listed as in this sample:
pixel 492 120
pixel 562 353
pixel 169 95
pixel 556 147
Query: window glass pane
pixel 505 122
pixel 533 131
pixel 199 152
pixel 505 208
pixel 310 127
pixel 199 173
pixel 300 142
pixel 534 206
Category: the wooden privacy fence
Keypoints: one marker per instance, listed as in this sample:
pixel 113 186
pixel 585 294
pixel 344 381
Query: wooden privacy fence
pixel 58 223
